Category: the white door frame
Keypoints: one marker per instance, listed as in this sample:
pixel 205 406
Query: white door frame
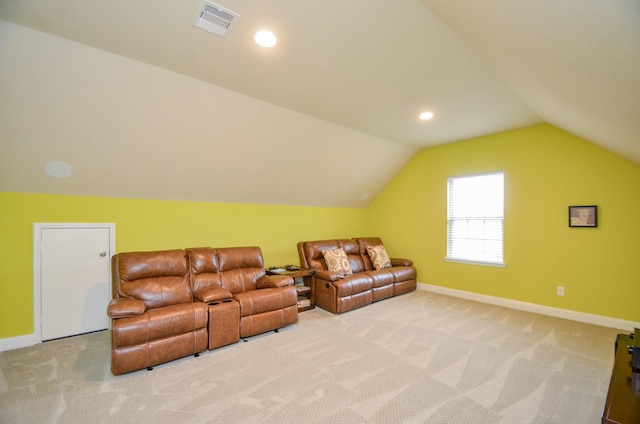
pixel 37 265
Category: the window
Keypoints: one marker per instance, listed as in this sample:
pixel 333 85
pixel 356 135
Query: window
pixel 476 219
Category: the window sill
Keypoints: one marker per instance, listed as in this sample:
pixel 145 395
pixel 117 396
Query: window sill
pixel 478 262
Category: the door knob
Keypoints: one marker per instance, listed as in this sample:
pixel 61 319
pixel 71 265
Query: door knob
pixel 103 254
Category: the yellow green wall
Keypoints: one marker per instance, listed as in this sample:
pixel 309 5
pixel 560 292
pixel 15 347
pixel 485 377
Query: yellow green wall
pixel 546 170
pixel 153 225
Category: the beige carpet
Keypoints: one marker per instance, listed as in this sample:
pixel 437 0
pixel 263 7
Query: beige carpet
pixel 417 358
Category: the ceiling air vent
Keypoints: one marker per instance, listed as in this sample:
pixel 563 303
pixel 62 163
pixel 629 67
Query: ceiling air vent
pixel 214 18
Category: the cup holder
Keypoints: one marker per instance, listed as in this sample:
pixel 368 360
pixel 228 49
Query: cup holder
pixel 217 302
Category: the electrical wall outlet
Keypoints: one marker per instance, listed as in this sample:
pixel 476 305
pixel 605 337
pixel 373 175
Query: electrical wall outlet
pixel 560 291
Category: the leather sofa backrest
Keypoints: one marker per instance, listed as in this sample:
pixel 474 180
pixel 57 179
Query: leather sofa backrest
pixel 158 278
pixel 311 256
pixel 240 268
pixel 363 242
pixel 204 268
pixel 353 253
pixel 312 251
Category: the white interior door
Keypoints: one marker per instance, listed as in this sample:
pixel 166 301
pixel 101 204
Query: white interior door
pixel 75 280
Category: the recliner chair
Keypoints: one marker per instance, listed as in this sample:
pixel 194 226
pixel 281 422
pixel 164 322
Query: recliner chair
pixel 154 318
pixel 267 302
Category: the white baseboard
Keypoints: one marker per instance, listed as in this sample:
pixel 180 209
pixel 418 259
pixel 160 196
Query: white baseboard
pixel 31 339
pixel 18 342
pixel 532 307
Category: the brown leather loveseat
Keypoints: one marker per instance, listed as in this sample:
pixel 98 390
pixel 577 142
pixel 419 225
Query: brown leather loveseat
pixel 174 303
pixel 367 276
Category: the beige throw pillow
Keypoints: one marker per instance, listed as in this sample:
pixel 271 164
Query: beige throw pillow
pixel 379 256
pixel 337 261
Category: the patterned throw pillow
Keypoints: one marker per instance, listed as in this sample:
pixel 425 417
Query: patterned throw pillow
pixel 337 261
pixel 379 257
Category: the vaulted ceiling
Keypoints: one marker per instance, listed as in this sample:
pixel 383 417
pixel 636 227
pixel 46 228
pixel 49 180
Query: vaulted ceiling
pixel 339 94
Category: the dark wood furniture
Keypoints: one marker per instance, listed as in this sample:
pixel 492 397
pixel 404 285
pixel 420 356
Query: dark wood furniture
pixel 623 399
pixel 302 279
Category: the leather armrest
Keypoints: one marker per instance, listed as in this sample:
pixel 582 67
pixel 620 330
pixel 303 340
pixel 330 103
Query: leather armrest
pixel 212 294
pixel 125 307
pixel 328 276
pixel 401 262
pixel 273 281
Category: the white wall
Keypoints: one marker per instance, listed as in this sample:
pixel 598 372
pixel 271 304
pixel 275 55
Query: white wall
pixel 124 125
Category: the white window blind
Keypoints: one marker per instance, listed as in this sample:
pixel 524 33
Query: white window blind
pixel 476 218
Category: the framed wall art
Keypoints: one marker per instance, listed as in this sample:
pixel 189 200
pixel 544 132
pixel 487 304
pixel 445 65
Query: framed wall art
pixel 583 216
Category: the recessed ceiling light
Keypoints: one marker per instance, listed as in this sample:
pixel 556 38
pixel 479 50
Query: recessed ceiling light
pixel 57 169
pixel 265 38
pixel 425 116
pixel 364 196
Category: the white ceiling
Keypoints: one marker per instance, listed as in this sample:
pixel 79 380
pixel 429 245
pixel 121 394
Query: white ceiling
pixel 346 76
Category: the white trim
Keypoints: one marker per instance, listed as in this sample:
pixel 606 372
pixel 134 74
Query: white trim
pixel 532 307
pixel 478 262
pixel 18 342
pixel 37 266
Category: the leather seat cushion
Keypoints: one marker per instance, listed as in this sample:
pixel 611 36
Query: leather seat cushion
pixel 259 301
pixel 353 284
pixel 381 278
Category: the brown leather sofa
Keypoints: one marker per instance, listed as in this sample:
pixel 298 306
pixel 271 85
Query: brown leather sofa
pixel 337 292
pixel 174 303
pixel 267 302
